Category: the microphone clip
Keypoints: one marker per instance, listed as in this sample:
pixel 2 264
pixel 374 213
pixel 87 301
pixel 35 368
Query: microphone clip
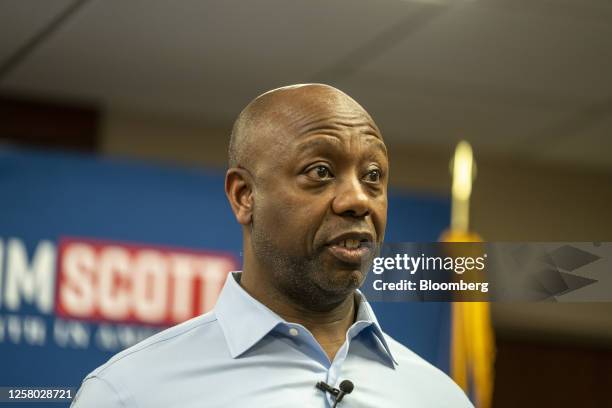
pixel 346 387
pixel 323 386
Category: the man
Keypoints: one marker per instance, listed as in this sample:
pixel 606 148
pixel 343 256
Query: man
pixel 308 183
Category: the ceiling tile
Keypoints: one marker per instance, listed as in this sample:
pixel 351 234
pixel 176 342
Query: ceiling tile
pixel 197 56
pixel 498 72
pixel 516 49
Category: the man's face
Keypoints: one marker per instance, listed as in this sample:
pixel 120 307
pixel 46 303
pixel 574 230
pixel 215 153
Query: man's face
pixel 320 201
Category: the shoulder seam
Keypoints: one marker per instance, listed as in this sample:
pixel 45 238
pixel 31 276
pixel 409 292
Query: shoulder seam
pixel 108 383
pixel 111 363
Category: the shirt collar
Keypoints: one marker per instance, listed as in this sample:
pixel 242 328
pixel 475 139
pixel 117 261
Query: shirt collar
pixel 245 321
pixel 366 314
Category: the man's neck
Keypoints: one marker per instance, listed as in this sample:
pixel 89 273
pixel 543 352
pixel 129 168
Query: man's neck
pixel 329 327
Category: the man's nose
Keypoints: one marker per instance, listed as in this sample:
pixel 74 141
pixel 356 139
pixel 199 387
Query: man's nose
pixel 351 198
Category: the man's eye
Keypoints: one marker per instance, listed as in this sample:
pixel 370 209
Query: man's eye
pixel 373 176
pixel 320 173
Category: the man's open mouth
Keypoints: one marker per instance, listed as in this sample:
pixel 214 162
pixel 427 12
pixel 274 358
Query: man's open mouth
pixel 352 248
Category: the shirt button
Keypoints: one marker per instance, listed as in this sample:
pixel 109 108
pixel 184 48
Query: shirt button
pixel 293 331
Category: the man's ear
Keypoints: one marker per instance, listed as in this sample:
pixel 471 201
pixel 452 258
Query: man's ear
pixel 239 192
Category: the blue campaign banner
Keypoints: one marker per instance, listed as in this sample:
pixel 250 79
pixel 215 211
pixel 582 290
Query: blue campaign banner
pixel 98 253
pixel 423 327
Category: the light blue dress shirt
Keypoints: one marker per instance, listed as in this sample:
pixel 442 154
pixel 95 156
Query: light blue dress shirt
pixel 241 354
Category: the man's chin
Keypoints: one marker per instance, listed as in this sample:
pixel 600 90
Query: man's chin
pixel 342 281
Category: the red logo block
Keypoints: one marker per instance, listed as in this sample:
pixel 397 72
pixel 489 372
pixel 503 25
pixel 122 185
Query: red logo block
pixel 128 283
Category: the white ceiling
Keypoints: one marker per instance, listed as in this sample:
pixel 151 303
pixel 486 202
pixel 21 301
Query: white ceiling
pixel 522 77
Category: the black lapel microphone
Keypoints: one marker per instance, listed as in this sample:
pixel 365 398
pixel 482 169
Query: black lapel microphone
pixel 346 387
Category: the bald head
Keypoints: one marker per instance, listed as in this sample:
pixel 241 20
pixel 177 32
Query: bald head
pixel 277 115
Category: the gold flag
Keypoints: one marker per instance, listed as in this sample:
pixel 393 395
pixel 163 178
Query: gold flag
pixel 472 340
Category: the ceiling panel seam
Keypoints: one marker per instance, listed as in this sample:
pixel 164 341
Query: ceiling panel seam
pixel 37 39
pixel 380 43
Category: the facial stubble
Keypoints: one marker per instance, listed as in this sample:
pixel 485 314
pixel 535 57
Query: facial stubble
pixel 304 279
